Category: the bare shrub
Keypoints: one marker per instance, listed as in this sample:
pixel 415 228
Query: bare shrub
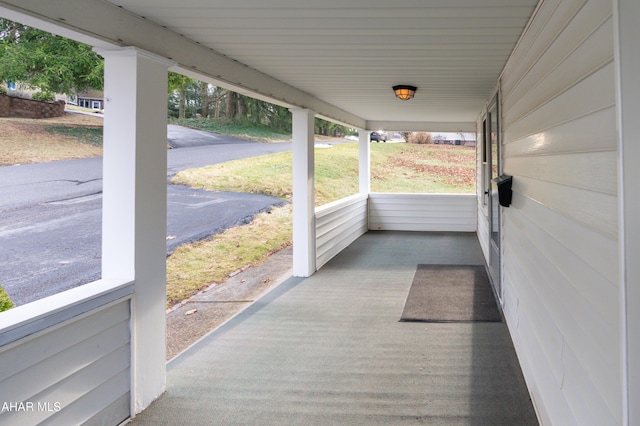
pixel 420 138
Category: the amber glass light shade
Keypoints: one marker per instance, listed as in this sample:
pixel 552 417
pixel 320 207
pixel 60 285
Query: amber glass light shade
pixel 404 92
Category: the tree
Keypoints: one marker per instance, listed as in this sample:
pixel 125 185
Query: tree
pixel 179 83
pixel 327 128
pixel 280 117
pixel 231 104
pixel 218 93
pixel 206 98
pixel 51 63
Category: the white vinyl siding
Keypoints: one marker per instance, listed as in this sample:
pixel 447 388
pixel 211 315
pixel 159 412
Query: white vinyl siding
pixel 422 212
pixel 339 224
pixel 560 248
pixel 73 372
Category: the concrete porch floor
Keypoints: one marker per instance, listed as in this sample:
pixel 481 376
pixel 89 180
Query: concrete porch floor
pixel 330 349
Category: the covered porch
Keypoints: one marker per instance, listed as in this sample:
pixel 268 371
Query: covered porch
pixel 330 349
pixel 551 89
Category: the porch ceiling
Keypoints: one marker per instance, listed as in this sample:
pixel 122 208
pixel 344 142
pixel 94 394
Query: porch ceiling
pixel 339 57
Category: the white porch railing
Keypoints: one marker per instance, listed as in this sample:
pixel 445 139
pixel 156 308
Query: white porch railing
pixel 67 358
pixel 422 212
pixel 339 224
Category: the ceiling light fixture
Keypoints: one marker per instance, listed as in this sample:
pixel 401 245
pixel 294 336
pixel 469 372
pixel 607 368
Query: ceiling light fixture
pixel 404 92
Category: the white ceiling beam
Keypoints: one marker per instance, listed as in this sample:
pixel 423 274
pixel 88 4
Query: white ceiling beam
pixel 102 24
pixel 50 25
pixel 422 126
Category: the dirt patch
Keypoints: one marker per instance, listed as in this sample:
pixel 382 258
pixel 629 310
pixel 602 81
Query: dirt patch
pixel 450 175
pixel 82 120
pixel 24 141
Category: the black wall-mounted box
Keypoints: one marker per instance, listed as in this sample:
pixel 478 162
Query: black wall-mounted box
pixel 504 189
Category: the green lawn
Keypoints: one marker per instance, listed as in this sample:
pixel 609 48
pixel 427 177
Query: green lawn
pixel 395 167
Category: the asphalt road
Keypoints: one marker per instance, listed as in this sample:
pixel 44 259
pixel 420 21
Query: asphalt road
pixel 50 213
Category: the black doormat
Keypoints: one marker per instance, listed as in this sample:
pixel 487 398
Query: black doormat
pixel 451 293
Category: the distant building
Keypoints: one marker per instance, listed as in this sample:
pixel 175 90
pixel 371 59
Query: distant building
pixel 24 91
pixel 460 138
pixel 92 99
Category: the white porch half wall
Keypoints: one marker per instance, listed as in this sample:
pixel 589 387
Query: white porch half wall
pixel 67 358
pixel 422 212
pixel 340 223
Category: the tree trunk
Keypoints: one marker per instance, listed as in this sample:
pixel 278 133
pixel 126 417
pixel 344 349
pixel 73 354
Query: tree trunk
pixel 231 104
pixel 218 94
pixel 204 93
pixel 242 107
pixel 182 105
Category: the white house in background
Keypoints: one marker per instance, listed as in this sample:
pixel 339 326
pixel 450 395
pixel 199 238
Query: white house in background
pixel 459 138
pixel 93 99
pixel 550 88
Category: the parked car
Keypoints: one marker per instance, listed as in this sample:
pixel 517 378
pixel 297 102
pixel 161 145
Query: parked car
pixel 378 136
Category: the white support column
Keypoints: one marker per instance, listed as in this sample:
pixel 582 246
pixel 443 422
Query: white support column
pixel 304 226
pixel 134 211
pixel 627 58
pixel 364 163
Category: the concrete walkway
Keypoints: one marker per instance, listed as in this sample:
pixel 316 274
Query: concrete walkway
pixel 329 349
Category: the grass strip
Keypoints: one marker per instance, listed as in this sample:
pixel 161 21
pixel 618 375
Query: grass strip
pixel 193 267
pixel 87 135
pixel 250 131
